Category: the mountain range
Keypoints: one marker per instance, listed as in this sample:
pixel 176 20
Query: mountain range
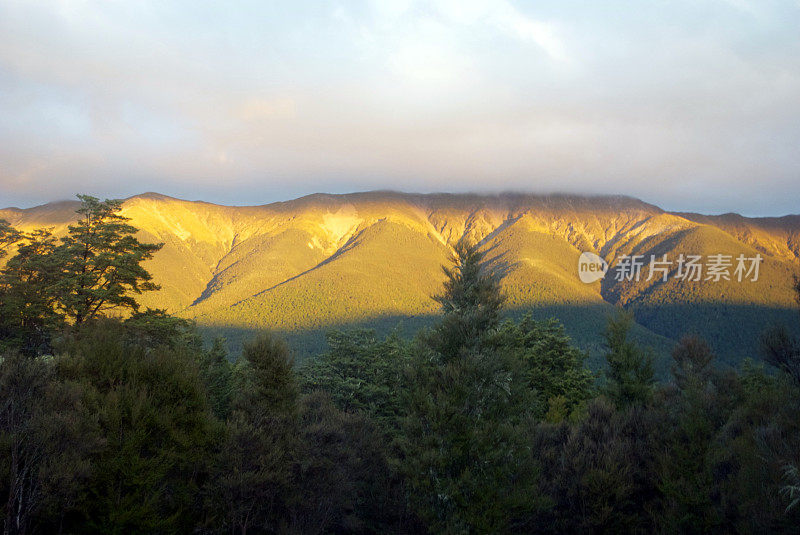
pixel 374 259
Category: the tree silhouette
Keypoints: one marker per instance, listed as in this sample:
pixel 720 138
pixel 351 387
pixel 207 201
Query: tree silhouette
pixel 102 262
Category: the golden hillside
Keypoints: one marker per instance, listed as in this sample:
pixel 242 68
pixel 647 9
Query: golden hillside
pixel 325 261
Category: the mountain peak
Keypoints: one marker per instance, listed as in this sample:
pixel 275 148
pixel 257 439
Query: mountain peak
pixel 153 196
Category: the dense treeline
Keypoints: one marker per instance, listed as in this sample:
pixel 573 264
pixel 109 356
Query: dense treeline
pixel 129 424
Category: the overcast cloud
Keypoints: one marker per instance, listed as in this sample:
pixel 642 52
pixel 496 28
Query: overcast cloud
pixel 691 105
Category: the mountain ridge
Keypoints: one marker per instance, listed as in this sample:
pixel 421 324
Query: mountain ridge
pixel 327 260
pixel 391 192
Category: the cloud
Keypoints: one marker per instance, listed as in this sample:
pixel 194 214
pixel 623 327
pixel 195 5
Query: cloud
pixel 504 17
pixel 689 105
pixel 464 16
pixel 257 109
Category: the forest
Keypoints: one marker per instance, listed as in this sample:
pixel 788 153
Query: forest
pixel 115 419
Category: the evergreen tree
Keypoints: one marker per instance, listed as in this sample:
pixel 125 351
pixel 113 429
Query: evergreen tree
pixel 47 439
pixel 600 471
pixel 557 376
pixel 362 373
pixel 155 328
pixel 467 460
pixel 94 269
pixel 780 349
pixel 28 294
pixel 471 302
pixel 694 412
pixel 343 475
pixel 261 450
pixel 101 262
pixel 630 377
pixel 23 383
pixel 216 372
pixel 760 436
pixel 158 432
pixel 692 364
pixel 8 236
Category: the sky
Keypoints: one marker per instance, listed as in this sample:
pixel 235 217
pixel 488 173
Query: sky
pixel 691 105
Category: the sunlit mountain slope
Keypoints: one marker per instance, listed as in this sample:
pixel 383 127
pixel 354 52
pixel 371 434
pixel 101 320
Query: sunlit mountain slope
pixel 326 261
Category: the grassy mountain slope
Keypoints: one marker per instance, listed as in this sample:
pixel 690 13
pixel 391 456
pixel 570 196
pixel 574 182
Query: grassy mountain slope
pixel 323 261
